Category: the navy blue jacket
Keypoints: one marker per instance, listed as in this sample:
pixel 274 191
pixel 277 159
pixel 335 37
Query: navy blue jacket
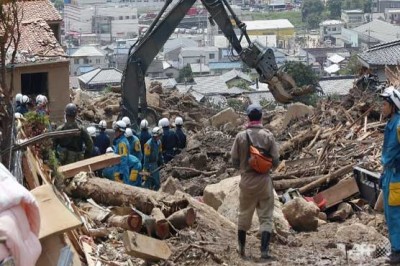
pixel 102 141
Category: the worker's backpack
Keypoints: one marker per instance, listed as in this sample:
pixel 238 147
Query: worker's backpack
pixel 258 160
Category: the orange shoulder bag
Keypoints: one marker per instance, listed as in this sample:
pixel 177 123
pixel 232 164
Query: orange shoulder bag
pixel 257 160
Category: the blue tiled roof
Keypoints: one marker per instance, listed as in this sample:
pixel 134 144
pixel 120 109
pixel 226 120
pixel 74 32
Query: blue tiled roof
pixel 85 69
pixel 224 65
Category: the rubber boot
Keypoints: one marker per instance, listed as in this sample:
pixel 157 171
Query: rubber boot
pixel 265 239
pixel 241 242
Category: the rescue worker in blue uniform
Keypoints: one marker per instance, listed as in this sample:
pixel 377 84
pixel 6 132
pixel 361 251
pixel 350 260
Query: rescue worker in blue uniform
pixel 119 172
pixel 134 144
pixel 180 134
pixel 92 133
pixel 169 140
pixel 102 140
pixel 153 159
pixel 135 166
pixel 18 100
pixel 144 134
pixel 23 107
pixel 390 179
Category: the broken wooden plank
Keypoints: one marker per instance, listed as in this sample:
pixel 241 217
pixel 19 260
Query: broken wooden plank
pixel 55 217
pixel 327 178
pixel 30 175
pixel 144 247
pixel 337 193
pixel 89 165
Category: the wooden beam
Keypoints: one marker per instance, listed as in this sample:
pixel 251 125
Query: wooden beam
pixel 89 165
pixel 44 136
pixel 337 193
pixel 55 217
pixel 144 247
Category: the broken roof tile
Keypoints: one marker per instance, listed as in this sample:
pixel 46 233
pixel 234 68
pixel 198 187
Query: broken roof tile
pixel 40 9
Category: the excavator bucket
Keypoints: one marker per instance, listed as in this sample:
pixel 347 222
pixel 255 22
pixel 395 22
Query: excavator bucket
pixel 284 88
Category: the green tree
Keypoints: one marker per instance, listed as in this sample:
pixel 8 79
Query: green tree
pixel 185 74
pixel 301 73
pixel 353 66
pixel 313 21
pixel 311 7
pixel 335 8
pixel 367 6
pixel 58 4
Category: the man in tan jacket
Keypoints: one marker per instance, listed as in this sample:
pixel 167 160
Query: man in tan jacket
pixel 256 190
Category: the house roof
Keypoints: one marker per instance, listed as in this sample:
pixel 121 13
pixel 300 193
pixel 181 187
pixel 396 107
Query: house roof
pixel 235 74
pixel 335 58
pixel 225 65
pixel 336 85
pixel 332 68
pixel 40 9
pixel 221 41
pixel 331 22
pixel 268 24
pixel 88 51
pixel 101 76
pixel 178 43
pixel 199 68
pixel 382 54
pixel 378 29
pixel 37 44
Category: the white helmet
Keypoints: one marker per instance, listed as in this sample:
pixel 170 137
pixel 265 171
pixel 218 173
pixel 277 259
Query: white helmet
pixel 164 122
pixel 18 116
pixel 18 97
pixel 92 131
pixel 103 124
pixel 120 125
pixel 178 121
pixel 144 124
pixel 25 99
pixel 127 121
pixel 41 99
pixel 156 131
pixel 128 132
pixel 392 95
pixel 109 150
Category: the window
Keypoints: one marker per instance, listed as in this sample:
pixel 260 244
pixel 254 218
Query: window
pixel 76 61
pixel 133 17
pixel 34 83
pixel 211 56
pixel 126 17
pixel 97 61
pixel 121 17
pixel 85 61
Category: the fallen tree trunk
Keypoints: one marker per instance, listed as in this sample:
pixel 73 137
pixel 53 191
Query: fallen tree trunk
pixel 327 178
pixel 131 221
pixel 111 193
pixel 183 218
pixel 294 183
pixel 161 228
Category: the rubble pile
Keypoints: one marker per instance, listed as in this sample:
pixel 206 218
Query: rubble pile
pixel 124 225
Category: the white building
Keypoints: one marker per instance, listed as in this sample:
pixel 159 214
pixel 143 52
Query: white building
pixel 85 57
pixel 198 55
pixel 107 21
pixel 328 28
pixel 353 18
